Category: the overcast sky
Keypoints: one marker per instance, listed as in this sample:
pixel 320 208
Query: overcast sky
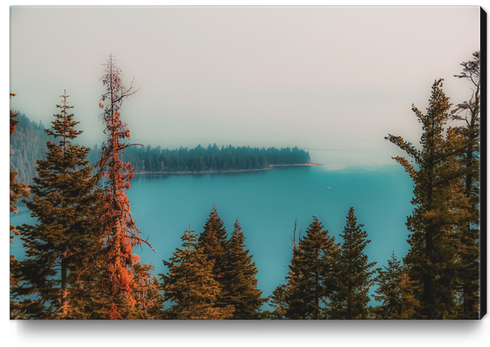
pixel 332 78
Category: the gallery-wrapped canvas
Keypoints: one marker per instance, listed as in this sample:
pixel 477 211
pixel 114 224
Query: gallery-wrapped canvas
pixel 247 163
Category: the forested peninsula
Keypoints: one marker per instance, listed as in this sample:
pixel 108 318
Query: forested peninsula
pixel 211 159
pixel 29 144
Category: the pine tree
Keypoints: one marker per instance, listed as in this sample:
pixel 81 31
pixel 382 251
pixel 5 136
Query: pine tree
pixel 469 160
pixel 353 274
pixel 119 233
pixel 431 259
pixel 455 229
pixel 214 245
pixel 190 286
pixel 394 292
pixel 311 281
pixel 294 301
pixel 64 204
pixel 241 285
pixel 277 301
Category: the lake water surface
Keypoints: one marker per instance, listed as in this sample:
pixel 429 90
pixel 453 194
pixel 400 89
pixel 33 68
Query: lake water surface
pixel 267 203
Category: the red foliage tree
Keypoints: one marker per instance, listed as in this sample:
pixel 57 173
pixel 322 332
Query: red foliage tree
pixel 119 233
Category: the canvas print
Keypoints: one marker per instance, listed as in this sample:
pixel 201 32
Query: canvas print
pixel 245 163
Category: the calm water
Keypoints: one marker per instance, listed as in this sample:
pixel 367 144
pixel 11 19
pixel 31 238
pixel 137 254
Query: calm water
pixel 267 204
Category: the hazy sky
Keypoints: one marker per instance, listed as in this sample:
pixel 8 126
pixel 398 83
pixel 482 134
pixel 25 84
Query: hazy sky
pixel 333 78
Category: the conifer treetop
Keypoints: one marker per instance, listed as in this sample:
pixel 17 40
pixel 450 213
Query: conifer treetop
pixel 63 125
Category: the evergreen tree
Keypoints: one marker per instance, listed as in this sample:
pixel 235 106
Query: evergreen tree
pixel 119 233
pixel 394 292
pixel 311 281
pixel 277 301
pixel 64 204
pixel 353 274
pixel 213 243
pixel 455 229
pixel 294 301
pixel 242 292
pixel 431 259
pixel 469 160
pixel 190 285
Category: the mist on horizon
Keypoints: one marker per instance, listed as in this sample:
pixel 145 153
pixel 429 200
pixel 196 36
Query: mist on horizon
pixel 334 79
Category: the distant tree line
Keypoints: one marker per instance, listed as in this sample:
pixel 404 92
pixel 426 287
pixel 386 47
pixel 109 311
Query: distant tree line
pixel 27 144
pixel 211 158
pixel 80 262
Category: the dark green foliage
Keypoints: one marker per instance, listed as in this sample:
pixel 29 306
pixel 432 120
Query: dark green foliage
pixel 212 158
pixel 353 274
pixel 394 292
pixel 190 287
pixel 239 279
pixel 311 282
pixel 64 204
pixel 213 243
pixel 277 301
pixel 28 144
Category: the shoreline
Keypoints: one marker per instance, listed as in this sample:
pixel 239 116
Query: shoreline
pixel 286 165
pixel 269 168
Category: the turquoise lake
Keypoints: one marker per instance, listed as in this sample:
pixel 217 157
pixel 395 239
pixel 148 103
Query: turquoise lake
pixel 267 203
